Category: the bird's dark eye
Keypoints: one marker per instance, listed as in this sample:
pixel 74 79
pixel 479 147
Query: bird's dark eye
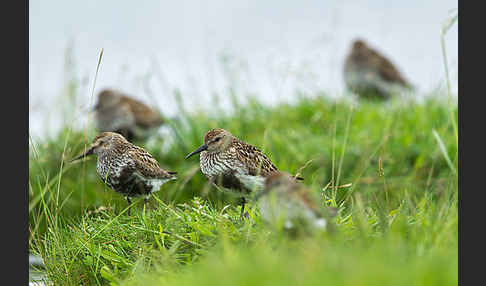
pixel 217 139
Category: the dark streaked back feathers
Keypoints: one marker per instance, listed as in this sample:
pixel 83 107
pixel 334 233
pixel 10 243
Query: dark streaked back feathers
pixel 147 165
pixel 144 116
pixel 257 162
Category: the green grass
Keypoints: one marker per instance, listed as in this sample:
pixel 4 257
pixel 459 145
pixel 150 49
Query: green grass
pixel 396 225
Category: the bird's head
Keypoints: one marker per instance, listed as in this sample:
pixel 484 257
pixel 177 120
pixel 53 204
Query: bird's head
pixel 107 98
pixel 215 141
pixel 104 142
pixel 359 44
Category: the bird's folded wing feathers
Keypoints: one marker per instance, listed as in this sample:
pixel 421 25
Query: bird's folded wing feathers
pixel 255 160
pixel 146 165
pixel 386 69
pixel 144 115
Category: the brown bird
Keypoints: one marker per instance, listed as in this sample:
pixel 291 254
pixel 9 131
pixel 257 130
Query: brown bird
pixel 126 168
pixel 229 162
pixel 116 112
pixel 284 201
pixel 371 75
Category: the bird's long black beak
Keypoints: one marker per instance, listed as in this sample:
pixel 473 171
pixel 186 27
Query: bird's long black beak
pixel 87 153
pixel 198 150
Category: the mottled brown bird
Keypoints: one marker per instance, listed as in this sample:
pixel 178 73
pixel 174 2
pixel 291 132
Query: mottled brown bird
pixel 116 112
pixel 284 201
pixel 233 164
pixel 126 168
pixel 371 75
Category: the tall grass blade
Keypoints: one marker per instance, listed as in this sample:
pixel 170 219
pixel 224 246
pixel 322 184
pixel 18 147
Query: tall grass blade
pixel 445 27
pixel 444 151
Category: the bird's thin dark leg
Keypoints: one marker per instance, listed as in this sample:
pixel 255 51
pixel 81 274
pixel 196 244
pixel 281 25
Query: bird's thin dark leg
pixel 243 201
pixel 129 203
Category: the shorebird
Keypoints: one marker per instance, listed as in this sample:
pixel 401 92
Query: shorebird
pixel 116 112
pixel 370 74
pixel 285 201
pixel 233 164
pixel 126 168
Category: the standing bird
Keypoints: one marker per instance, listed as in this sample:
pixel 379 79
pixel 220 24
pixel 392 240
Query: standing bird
pixel 126 168
pixel 371 75
pixel 116 112
pixel 284 201
pixel 233 164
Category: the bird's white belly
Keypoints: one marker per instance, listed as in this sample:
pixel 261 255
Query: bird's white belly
pixel 366 78
pixel 154 183
pixel 254 183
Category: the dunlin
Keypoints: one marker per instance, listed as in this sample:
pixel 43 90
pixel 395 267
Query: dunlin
pixel 283 201
pixel 116 112
pixel 126 168
pixel 370 74
pixel 233 164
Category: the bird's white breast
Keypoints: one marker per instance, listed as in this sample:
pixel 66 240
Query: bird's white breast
pixel 254 183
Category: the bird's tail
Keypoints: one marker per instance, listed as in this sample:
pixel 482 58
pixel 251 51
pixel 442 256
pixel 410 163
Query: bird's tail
pixel 172 175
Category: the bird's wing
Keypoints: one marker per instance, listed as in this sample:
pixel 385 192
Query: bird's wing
pixel 144 115
pixel 385 68
pixel 256 162
pixel 147 166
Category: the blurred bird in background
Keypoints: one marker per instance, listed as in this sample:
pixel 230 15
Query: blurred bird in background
pixel 117 112
pixel 371 75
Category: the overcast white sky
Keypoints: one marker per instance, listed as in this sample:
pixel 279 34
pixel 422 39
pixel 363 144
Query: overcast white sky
pixel 280 45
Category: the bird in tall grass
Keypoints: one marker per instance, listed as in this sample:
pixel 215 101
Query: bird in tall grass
pixel 288 204
pixel 233 164
pixel 371 75
pixel 117 112
pixel 126 168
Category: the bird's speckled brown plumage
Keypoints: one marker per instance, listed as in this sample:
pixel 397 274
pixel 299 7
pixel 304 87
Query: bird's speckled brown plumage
pixel 116 112
pixel 126 168
pixel 232 163
pixel 231 158
pixel 370 74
